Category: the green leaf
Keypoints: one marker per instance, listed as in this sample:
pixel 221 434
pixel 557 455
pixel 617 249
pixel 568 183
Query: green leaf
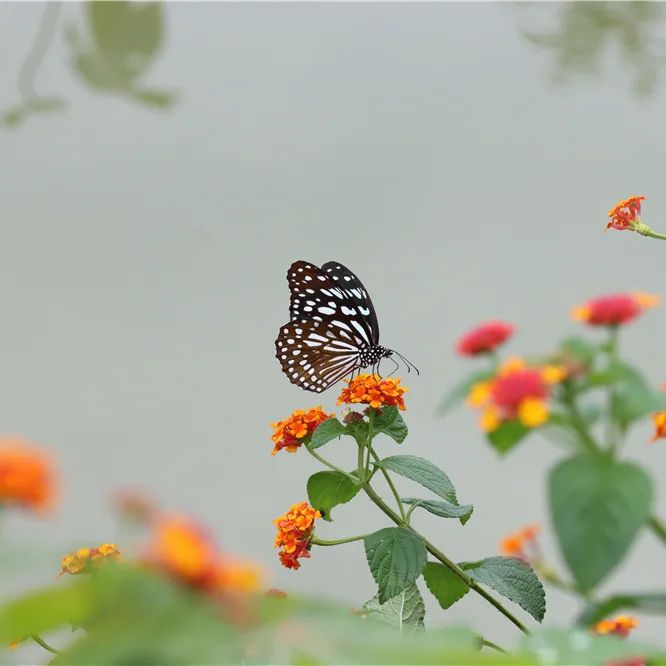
pixel 423 472
pixel 509 433
pixel 328 489
pixel 580 349
pixel 635 399
pixel 445 586
pixel 460 391
pixel 325 432
pixel 645 602
pixel 396 557
pixel 443 508
pixel 390 422
pixel 597 507
pixel 405 611
pixel 513 579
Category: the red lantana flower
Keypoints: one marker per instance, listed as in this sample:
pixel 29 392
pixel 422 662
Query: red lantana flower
pixel 484 338
pixel 625 214
pixel 293 431
pixel 614 309
pixel 294 534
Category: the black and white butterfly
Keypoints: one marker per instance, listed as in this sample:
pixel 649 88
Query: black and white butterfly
pixel 333 329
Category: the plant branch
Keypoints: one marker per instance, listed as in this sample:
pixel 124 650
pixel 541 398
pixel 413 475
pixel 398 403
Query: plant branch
pixel 391 485
pixel 658 527
pixel 330 465
pixel 491 645
pixel 336 542
pixel 40 641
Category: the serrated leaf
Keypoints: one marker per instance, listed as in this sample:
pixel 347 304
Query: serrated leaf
pixel 508 435
pixel 645 602
pixel 396 557
pixel 460 391
pixel 423 472
pixel 328 489
pixel 444 585
pixel 405 611
pixel 325 432
pixel 597 507
pixel 442 508
pixel 390 422
pixel 513 579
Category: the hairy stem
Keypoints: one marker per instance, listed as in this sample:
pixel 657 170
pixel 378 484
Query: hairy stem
pixel 337 542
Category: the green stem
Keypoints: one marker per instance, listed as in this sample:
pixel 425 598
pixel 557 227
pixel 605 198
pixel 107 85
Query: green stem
pixel 40 641
pixel 391 485
pixel 644 230
pixel 330 465
pixel 658 527
pixel 578 422
pixel 336 542
pixel 492 646
pixel 438 554
pixel 612 435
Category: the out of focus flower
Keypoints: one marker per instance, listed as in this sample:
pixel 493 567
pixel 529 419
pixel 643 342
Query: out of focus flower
pixel 86 559
pixel 618 626
pixel 484 338
pixel 293 431
pixel 614 309
pixel 26 475
pixel 373 391
pixel 274 592
pixel 659 426
pixel 626 214
pixel 517 391
pixel 522 544
pixel 134 505
pixel 294 534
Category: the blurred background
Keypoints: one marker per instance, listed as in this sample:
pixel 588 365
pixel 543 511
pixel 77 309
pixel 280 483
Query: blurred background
pixel 163 164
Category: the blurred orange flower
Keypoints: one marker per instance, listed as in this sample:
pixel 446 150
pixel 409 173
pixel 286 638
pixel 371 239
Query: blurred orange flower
pixel 614 309
pixel 625 214
pixel 618 626
pixel 294 534
pixel 373 391
pixel 84 559
pixel 522 544
pixel 26 475
pixel 293 431
pixel 659 426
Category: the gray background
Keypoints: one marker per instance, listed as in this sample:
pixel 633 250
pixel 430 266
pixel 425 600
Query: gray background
pixel 143 257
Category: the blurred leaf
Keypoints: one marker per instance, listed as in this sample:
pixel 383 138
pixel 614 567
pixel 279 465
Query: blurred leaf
pixel 405 611
pixel 509 433
pixel 460 391
pixel 396 557
pixel 325 432
pixel 443 508
pixel 580 348
pixel 645 602
pixel 597 506
pixel 162 99
pixel 328 489
pixel 13 117
pixel 45 104
pixel 445 586
pixel 513 579
pixel 423 472
pixel 391 423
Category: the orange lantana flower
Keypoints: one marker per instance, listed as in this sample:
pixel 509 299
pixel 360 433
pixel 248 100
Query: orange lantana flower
pixel 659 426
pixel 522 544
pixel 293 431
pixel 618 626
pixel 374 391
pixel 26 475
pixel 84 559
pixel 294 534
pixel 625 214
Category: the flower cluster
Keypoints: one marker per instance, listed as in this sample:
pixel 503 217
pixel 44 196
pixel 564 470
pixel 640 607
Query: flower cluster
pixel 625 214
pixel 183 550
pixel 614 309
pixel 517 391
pixel 522 544
pixel 86 559
pixel 294 534
pixel 659 420
pixel 484 338
pixel 618 626
pixel 293 431
pixel 26 475
pixel 374 391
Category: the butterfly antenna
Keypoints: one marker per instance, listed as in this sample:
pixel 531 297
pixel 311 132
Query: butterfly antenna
pixel 407 363
pixel 397 365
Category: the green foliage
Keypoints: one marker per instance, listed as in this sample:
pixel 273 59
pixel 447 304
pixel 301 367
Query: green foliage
pixel 405 611
pixel 513 579
pixel 423 472
pixel 328 489
pixel 597 507
pixel 390 422
pixel 580 349
pixel 396 557
pixel 508 435
pixel 444 585
pixel 460 391
pixel 645 602
pixel 442 508
pixel 326 431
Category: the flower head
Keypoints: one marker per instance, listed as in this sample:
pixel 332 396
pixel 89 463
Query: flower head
pixel 484 338
pixel 517 391
pixel 625 214
pixel 614 309
pixel 26 475
pixel 294 534
pixel 86 559
pixel 293 431
pixel 618 626
pixel 522 544
pixel 659 426
pixel 374 391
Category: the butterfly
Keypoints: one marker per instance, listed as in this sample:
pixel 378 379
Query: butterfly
pixel 333 329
